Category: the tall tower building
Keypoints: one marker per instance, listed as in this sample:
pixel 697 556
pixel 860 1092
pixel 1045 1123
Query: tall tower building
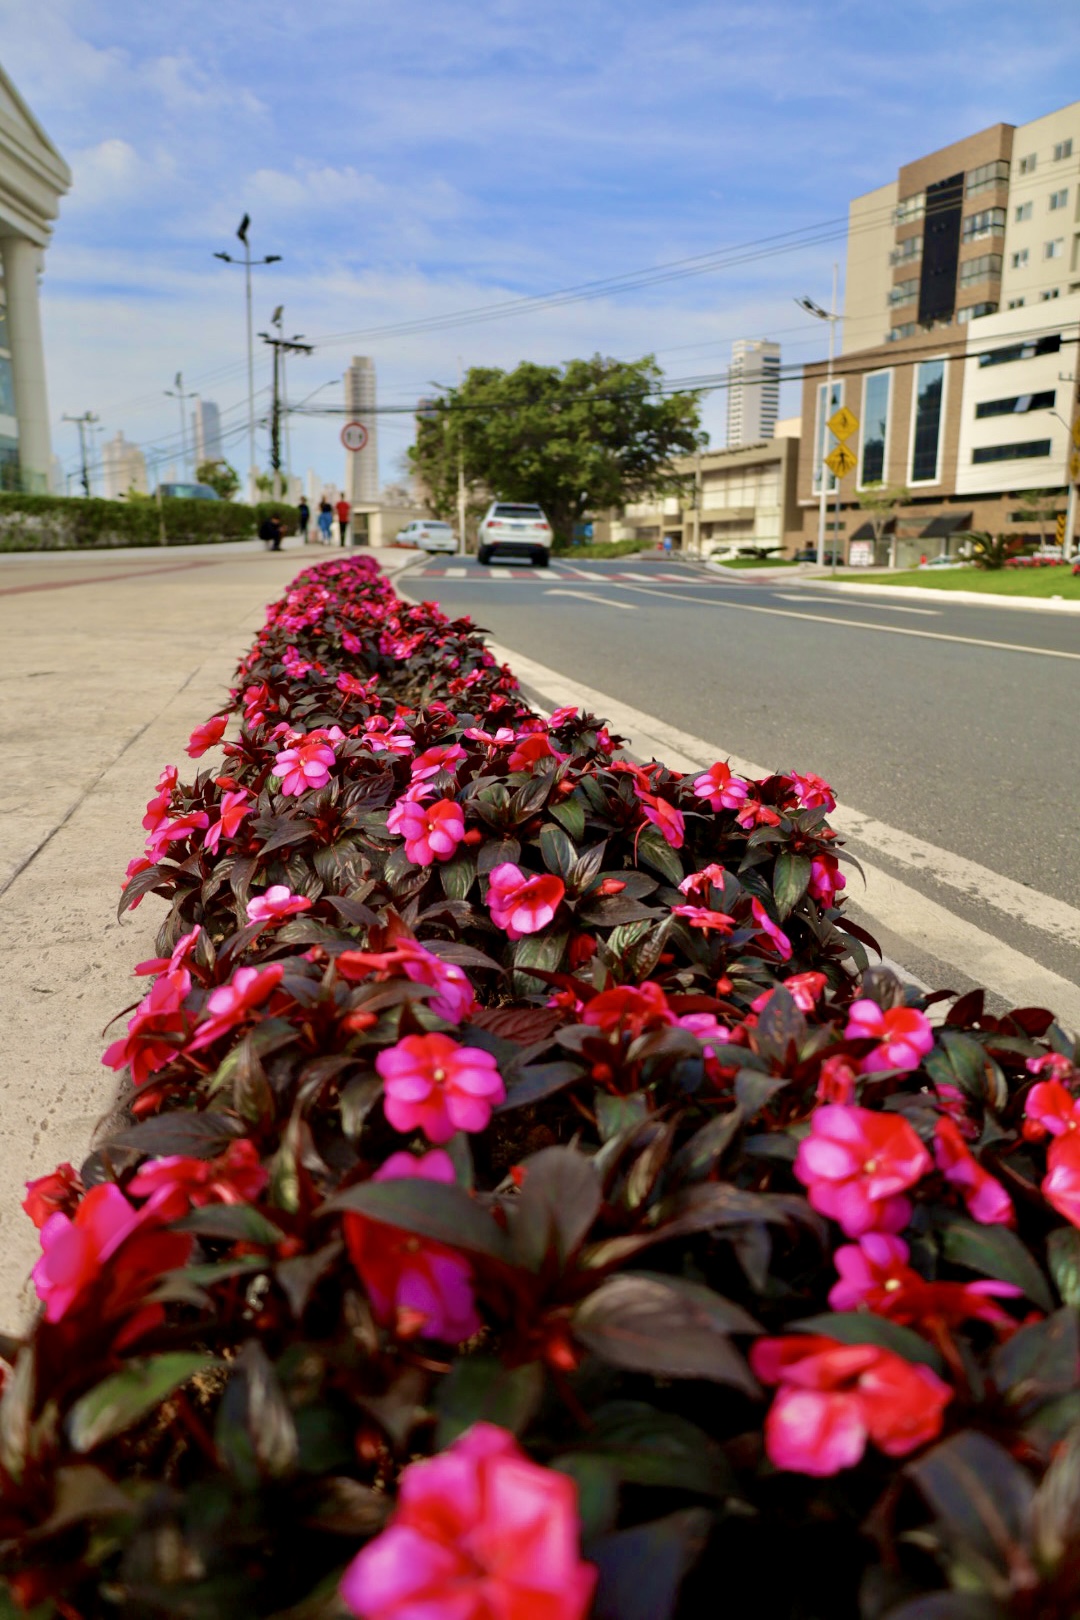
pixel 124 467
pixel 753 392
pixel 206 421
pixel 362 466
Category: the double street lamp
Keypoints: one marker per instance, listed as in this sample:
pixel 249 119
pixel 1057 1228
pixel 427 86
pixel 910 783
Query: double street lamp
pixel 830 315
pixel 247 261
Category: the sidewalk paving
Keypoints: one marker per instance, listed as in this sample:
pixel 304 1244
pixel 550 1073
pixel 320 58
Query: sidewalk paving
pixel 106 669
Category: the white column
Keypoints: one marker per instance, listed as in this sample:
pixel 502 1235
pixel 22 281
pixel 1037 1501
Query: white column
pixel 21 259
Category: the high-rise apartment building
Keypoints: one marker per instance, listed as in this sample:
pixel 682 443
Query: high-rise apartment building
pixel 753 392
pixel 362 466
pixel 206 423
pixel 124 468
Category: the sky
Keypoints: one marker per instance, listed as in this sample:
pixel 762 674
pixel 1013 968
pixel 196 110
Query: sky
pixel 415 160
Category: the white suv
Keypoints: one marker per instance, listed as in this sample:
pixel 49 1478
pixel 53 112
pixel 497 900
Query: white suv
pixel 513 529
pixel 428 535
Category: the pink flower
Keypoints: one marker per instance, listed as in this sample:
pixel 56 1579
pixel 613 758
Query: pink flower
pixel 804 988
pixel 234 807
pixel 708 1029
pixel 206 736
pixel 812 791
pixel 836 1081
pixel 521 904
pixel 107 1241
pixel 905 1035
pixel 717 922
pixel 276 904
pixel 443 757
pixel 231 1003
pixel 722 790
pixel 479 1533
pixel 175 1184
pixel 352 644
pixel 781 943
pixel 140 863
pixel 755 814
pixel 986 1199
pixel 531 749
pixel 432 832
pixel 435 1085
pixel 875 1276
pixel 173 831
pixel 411 1283
pixel 181 952
pixel 698 884
pixel 455 999
pixel 663 815
pixel 629 1010
pixel 305 766
pixel 1061 1184
pixel 833 1398
pixel 155 1029
pixel 1050 1109
pixel 826 879
pixel 856 1163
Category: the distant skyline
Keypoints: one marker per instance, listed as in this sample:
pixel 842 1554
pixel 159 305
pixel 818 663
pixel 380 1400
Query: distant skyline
pixel 412 161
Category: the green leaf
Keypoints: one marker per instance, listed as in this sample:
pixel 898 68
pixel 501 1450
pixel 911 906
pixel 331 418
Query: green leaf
pixel 239 1222
pixel 862 1327
pixel 994 1251
pixel 559 853
pixel 458 876
pixel 654 849
pixel 697 1157
pixel 1063 1258
pixel 665 1325
pixel 1039 1361
pixel 16 1406
pixel 254 1397
pixel 615 1114
pixel 597 1490
pixel 539 1080
pixel 642 1569
pixel 480 1389
pixel 356 1102
pixel 754 1089
pixel 981 1496
pixel 197 1136
pixel 559 1201
pixel 571 813
pixel 543 951
pixel 781 1028
pixel 791 877
pixel 431 1209
pixel 123 1399
pixel 648 1446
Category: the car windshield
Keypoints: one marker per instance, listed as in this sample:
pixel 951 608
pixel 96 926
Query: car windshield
pixel 442 527
pixel 518 511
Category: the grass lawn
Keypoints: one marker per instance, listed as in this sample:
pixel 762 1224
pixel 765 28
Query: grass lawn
pixel 1036 582
pixel 607 548
pixel 759 562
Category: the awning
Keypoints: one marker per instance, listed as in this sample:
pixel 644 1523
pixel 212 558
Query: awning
pixel 865 531
pixel 946 523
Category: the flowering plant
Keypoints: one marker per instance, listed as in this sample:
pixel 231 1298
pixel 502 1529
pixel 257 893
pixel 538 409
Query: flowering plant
pixel 532 1199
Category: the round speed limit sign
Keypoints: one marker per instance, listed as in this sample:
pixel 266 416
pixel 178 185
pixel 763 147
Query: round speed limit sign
pixel 354 435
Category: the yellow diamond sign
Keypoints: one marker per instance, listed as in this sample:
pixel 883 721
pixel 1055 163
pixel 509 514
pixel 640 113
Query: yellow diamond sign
pixel 1076 433
pixel 1074 467
pixel 841 460
pixel 842 424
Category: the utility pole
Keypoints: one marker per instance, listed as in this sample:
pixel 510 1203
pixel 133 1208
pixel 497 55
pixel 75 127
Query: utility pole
pixel 179 393
pixel 832 317
pixel 281 346
pixel 1072 453
pixel 82 423
pixel 460 476
pixel 247 261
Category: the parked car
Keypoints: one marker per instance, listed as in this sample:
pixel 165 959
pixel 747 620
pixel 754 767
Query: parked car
pixel 944 561
pixel 514 529
pixel 808 554
pixel 188 492
pixel 428 534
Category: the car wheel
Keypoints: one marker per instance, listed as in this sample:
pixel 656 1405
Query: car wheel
pixel 541 560
pixel 483 555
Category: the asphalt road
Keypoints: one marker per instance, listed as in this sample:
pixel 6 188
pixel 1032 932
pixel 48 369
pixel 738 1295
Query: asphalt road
pixel 953 724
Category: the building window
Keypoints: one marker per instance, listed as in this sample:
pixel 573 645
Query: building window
pixel 909 208
pixel 1018 260
pixel 1018 405
pixel 975 312
pixel 1015 303
pixel 905 292
pixel 1021 212
pixel 905 331
pixel 987 264
pixel 987 222
pixel 1059 199
pixel 911 249
pixel 926 438
pixel 1062 149
pixel 7 387
pixel 1050 292
pixel 1022 351
pixel 824 411
pixel 875 427
pixel 1027 164
pixel 1054 249
pixel 986 175
pixel 1011 452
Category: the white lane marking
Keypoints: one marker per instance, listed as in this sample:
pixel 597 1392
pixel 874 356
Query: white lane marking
pixel 862 624
pixel 502 573
pixel 456 573
pixel 884 607
pixel 898 907
pixel 648 578
pixel 600 601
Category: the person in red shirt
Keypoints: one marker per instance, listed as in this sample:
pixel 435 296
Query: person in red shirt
pixel 344 512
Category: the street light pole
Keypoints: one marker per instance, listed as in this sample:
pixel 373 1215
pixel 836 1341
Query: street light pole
pixel 178 392
pixel 82 423
pixel 248 262
pixel 1071 449
pixel 281 346
pixel 831 316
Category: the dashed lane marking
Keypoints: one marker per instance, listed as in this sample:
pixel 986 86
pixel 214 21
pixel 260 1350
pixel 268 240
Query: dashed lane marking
pixel 597 601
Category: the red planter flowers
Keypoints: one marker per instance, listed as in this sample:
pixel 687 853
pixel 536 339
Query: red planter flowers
pixel 532 1202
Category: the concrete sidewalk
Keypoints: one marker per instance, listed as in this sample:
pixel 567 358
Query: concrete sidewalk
pixel 105 669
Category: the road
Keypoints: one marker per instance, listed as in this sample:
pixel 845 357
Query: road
pixel 948 731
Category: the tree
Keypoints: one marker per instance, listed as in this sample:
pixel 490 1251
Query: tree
pixel 881 502
pixel 1042 505
pixel 220 477
pixel 589 436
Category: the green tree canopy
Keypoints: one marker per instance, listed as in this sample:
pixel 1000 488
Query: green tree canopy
pixel 220 477
pixel 589 436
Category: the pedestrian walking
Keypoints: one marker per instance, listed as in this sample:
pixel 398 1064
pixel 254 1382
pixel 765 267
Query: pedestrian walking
pixel 303 518
pixel 344 512
pixel 326 518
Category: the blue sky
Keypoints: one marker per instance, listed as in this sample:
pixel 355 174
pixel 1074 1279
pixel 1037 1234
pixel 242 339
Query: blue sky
pixel 410 160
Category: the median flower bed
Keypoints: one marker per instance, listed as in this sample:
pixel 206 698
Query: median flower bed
pixel 531 1203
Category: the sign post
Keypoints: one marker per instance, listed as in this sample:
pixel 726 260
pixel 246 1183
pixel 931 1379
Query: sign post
pixel 841 461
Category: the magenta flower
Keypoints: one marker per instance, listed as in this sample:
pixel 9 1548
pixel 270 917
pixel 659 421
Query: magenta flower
pixel 1050 1109
pixel 276 904
pixel 521 904
pixel 307 765
pixel 479 1533
pixel 234 807
pixel 434 1085
pixel 812 791
pixel 722 790
pixel 826 879
pixel 1061 1184
pixel 231 1003
pixel 175 1184
pixel 717 922
pixel 531 749
pixel 905 1035
pixel 856 1164
pixel 663 815
pixel 698 884
pixel 172 832
pixel 986 1199
pixel 432 832
pixel 780 941
pixel 455 999
pixel 413 1285
pixel 206 736
pixel 443 757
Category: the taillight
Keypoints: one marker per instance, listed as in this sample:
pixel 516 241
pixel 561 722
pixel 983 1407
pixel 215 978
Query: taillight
pixel 544 526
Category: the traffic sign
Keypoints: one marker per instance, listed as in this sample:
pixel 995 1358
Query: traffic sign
pixel 1076 433
pixel 354 435
pixel 841 460
pixel 1074 467
pixel 842 423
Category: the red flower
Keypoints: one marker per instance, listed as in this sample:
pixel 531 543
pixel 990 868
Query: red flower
pixel 479 1533
pixel 307 765
pixel 443 757
pixel 834 1397
pixel 905 1035
pixel 234 807
pixel 520 904
pixel 663 815
pixel 153 1029
pixel 698 884
pixel 629 1010
pixel 205 736
pixel 530 750
pixel 875 1276
pixel 986 1199
pixel 812 791
pixel 855 1165
pixel 805 989
pixel 432 832
pixel 59 1191
pixel 455 999
pixel 174 1184
pixel 231 1003
pixel 826 879
pixel 1061 1185
pixel 836 1081
pixel 407 1278
pixel 722 790
pixel 1050 1109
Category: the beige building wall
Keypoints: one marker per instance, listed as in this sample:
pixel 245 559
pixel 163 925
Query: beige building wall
pixel 748 498
pixel 1042 237
pixel 868 274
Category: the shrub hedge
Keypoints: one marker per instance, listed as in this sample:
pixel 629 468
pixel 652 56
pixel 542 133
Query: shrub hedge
pixel 533 1205
pixel 62 523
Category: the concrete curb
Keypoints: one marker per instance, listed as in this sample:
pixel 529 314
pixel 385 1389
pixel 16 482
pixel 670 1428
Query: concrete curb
pixel 928 594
